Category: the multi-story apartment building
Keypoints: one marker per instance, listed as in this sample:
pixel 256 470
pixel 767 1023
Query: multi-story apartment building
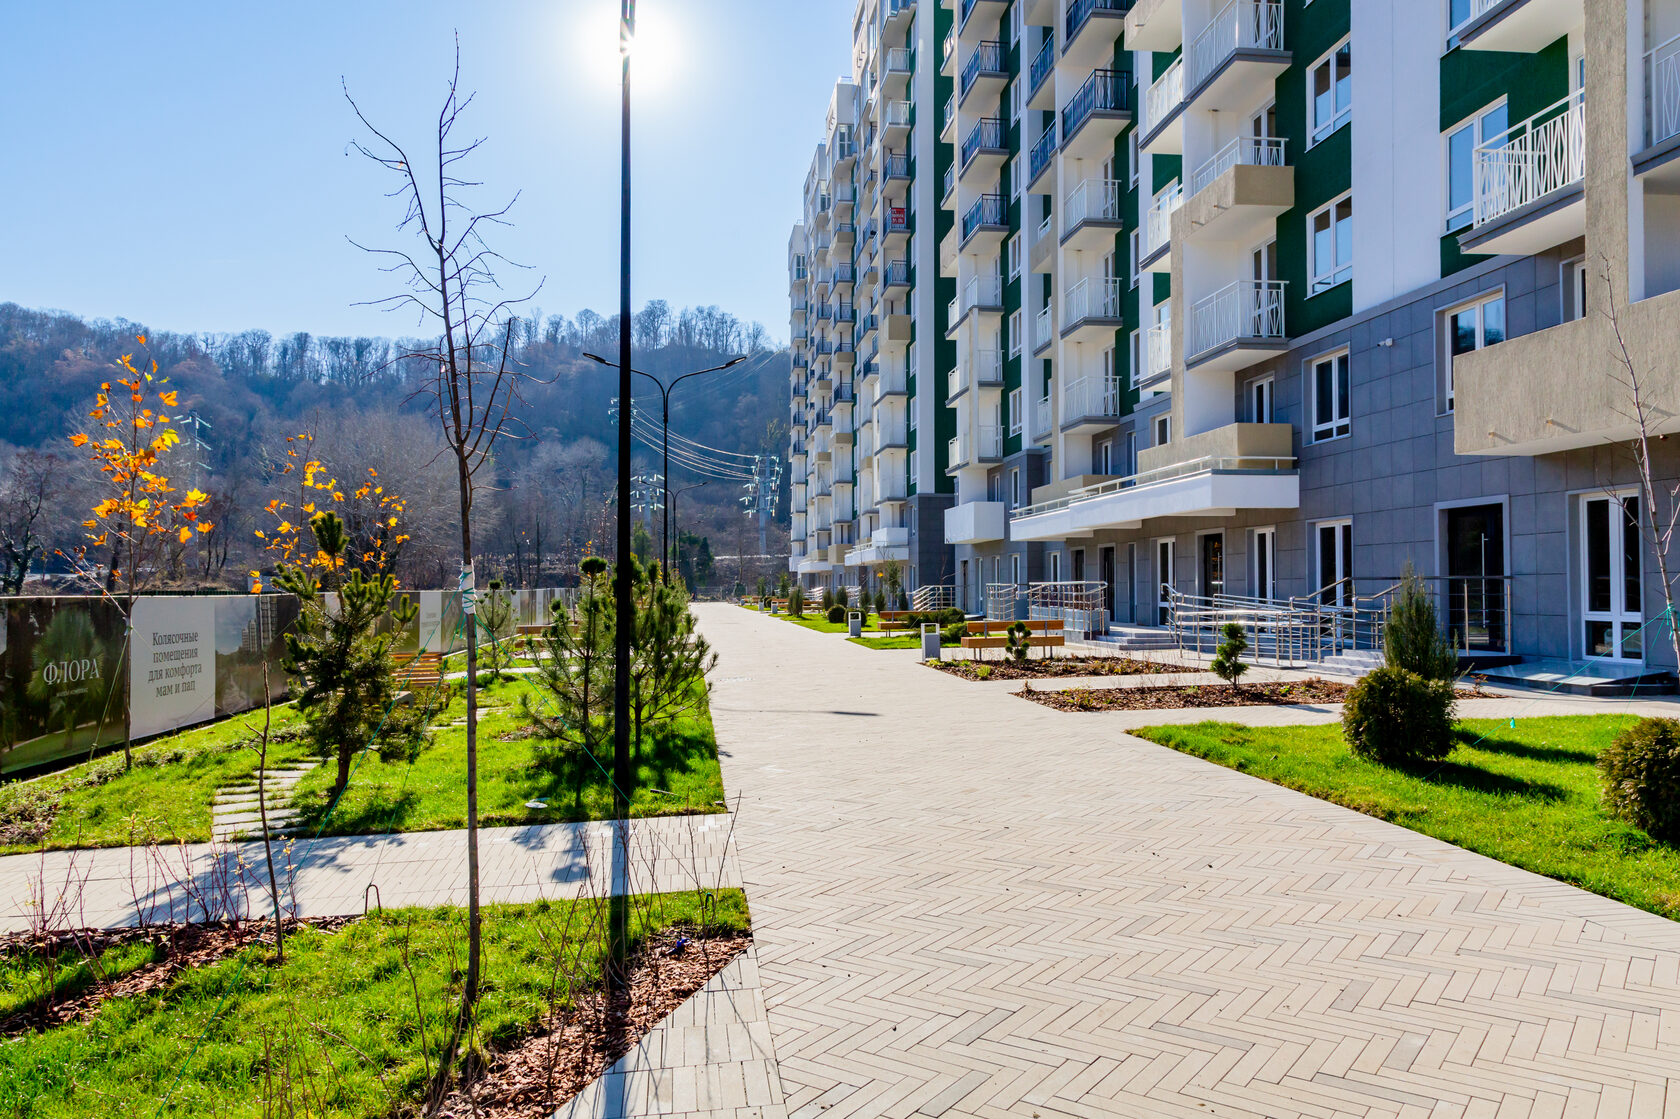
pixel 1235 317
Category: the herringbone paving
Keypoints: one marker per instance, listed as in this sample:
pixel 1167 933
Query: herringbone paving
pixel 966 904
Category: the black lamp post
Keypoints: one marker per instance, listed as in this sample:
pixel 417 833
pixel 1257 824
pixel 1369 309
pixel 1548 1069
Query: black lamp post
pixel 678 558
pixel 624 411
pixel 618 933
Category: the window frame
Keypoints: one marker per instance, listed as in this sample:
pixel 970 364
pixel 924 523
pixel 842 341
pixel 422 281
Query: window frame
pixel 1445 357
pixel 1016 406
pixel 1017 321
pixel 1319 131
pixel 1162 428
pixel 1319 282
pixel 1339 426
pixel 1012 251
pixel 1261 386
pixel 1478 137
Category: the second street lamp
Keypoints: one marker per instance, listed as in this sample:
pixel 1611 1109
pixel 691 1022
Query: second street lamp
pixel 664 428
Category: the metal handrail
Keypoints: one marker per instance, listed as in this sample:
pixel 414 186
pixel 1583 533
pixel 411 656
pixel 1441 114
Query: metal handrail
pixel 1207 464
pixel 1239 25
pixel 1245 151
pixel 1530 160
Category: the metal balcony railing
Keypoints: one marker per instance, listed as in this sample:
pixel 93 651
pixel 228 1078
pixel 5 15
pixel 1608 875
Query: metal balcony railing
pixel 1043 329
pixel 1157 223
pixel 950 49
pixel 898 220
pixel 1105 91
pixel 1043 65
pixel 1079 13
pixel 1092 299
pixel 1041 152
pixel 983 291
pixel 987 135
pixel 1208 464
pixel 988 367
pixel 1662 91
pixel 844 273
pixel 988 209
pixel 1246 151
pixel 1095 200
pixel 1546 152
pixel 896 274
pixel 1239 25
pixel 896 165
pixel 845 312
pixel 950 180
pixel 897 114
pixel 1245 309
pixel 950 112
pixel 1043 418
pixel 986 58
pixel 1157 354
pixel 1091 398
pixel 1165 94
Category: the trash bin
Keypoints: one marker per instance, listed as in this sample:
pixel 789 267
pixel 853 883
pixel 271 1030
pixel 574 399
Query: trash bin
pixel 930 641
pixel 854 623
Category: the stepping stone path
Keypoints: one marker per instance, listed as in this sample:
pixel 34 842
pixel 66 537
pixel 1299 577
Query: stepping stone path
pixel 235 813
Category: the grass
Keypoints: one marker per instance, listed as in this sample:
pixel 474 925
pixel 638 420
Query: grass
pixel 341 1011
pixel 168 791
pixel 816 621
pixel 1527 796
pixel 897 641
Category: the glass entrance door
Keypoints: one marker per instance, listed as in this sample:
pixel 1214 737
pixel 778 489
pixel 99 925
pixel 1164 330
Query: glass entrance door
pixel 1163 581
pixel 1475 587
pixel 1213 564
pixel 1105 568
pixel 1611 597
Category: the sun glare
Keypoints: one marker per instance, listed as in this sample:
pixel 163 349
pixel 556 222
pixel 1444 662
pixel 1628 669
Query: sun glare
pixel 653 54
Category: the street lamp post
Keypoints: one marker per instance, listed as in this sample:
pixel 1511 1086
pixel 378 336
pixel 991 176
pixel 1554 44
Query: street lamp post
pixel 618 934
pixel 674 497
pixel 624 411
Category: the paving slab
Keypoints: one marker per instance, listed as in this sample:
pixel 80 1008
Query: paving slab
pixel 966 904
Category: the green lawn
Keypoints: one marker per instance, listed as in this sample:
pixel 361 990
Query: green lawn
pixel 897 641
pixel 167 793
pixel 431 793
pixel 1527 796
pixel 814 619
pixel 341 1017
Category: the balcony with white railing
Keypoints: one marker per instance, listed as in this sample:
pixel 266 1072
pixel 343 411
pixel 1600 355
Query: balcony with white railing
pixel 1236 326
pixel 983 293
pixel 898 64
pixel 948 121
pixel 1529 183
pixel 1662 93
pixel 1096 113
pixel 1091 310
pixel 1089 403
pixel 1155 244
pixel 1237 194
pixel 1044 330
pixel 1157 357
pixel 948 54
pixel 1043 419
pixel 1518 26
pixel 1092 214
pixel 1232 63
pixel 1161 130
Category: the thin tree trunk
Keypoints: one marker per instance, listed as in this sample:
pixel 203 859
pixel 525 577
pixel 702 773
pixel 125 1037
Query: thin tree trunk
pixel 262 811
pixel 474 930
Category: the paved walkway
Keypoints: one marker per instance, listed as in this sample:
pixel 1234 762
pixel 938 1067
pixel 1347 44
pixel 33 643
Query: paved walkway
pixel 966 904
pixel 333 875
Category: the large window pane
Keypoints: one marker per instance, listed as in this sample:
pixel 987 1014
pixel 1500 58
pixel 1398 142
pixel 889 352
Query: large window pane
pixel 1630 556
pixel 1598 556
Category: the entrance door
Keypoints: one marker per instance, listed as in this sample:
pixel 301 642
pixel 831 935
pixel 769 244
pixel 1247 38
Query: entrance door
pixel 1612 598
pixel 1163 580
pixel 1131 583
pixel 1213 564
pixel 1475 577
pixel 1079 565
pixel 1265 563
pixel 1335 563
pixel 1105 568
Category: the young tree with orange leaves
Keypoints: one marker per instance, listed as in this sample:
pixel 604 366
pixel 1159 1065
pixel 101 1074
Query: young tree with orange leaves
pixel 141 516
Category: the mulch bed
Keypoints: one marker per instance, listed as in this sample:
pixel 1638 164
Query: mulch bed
pixel 174 946
pixel 1313 690
pixel 1034 668
pixel 563 1056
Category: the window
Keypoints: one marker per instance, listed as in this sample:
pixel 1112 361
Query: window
pixel 1014 253
pixel 1462 142
pixel 1260 400
pixel 1132 157
pixel 1135 347
pixel 1612 575
pixel 1016 332
pixel 1017 20
pixel 912 419
pixel 1015 90
pixel 1265 563
pixel 1574 285
pixel 1055 567
pixel 1015 412
pixel 1329 382
pixel 1136 256
pixel 994 487
pixel 1330 245
pixel 1473 326
pixel 1015 482
pixel 1015 568
pixel 1103 461
pixel 1458 14
pixel 1017 178
pixel 915 468
pixel 1130 465
pixel 1334 541
pixel 1330 92
pixel 1164 550
pixel 1163 429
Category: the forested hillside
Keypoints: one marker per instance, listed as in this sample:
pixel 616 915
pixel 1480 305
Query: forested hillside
pixel 240 396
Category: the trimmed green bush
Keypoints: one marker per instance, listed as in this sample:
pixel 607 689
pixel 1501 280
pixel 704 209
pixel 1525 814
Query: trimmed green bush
pixel 1395 717
pixel 836 614
pixel 1412 637
pixel 827 597
pixel 1641 773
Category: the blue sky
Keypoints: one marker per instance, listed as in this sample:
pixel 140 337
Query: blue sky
pixel 189 170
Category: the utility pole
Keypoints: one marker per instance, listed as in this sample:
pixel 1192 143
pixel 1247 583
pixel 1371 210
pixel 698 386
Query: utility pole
pixel 618 934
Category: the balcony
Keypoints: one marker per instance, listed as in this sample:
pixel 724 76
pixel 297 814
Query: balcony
pixel 1235 61
pixel 1091 214
pixel 1239 193
pixel 893 379
pixel 1236 326
pixel 948 191
pixel 895 16
pixel 1091 28
pixel 987 12
pixel 982 369
pixel 1662 105
pixel 1096 114
pixel 948 127
pixel 986 224
pixel 1041 91
pixel 1155 244
pixel 1043 419
pixel 1041 157
pixel 985 73
pixel 1161 131
pixel 895 170
pixel 1044 330
pixel 896 274
pixel 896 118
pixel 1258 474
pixel 840 156
pixel 1529 183
pixel 1155 25
pixel 1041 256
pixel 1521 26
pixel 983 448
pixel 948 54
pixel 898 65
pixel 843 198
pixel 975 522
pixel 1157 358
pixel 883 544
pixel 981 296
pixel 1091 311
pixel 983 151
pixel 1089 403
pixel 890 435
pixel 844 273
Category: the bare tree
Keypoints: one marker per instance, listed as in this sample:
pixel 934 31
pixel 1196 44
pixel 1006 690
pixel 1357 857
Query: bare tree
pixel 1658 525
pixel 27 488
pixel 451 284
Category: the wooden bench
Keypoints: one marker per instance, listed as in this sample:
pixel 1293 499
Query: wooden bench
pixel 417 670
pixel 894 619
pixel 1042 633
